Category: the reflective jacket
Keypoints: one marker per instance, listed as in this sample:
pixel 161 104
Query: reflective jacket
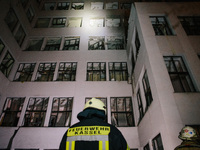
pixel 93 133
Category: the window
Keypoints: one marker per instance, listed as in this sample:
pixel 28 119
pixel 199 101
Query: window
pixel 42 23
pixel 97 22
pixel 20 35
pixel 67 71
pixel 113 21
pixel 77 6
pixel 157 143
pixel 191 24
pixel 24 3
pixel 24 72
pixel 96 5
pixel 146 147
pixel 71 43
pixel 96 71
pixel 115 43
pixel 118 71
pixel 35 44
pixel 147 90
pixel 30 14
pixel 49 6
pixel 45 72
pixel 36 112
pixel 179 74
pixel 2 46
pixel 61 112
pixel 160 25
pixel 11 111
pixel 96 43
pixel 62 6
pixel 140 106
pixel 112 5
pixel 74 22
pixel 137 44
pixel 125 5
pixel 58 22
pixel 121 111
pixel 53 44
pixel 11 20
pixel 7 64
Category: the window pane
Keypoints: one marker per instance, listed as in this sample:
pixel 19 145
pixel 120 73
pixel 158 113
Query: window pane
pixel 49 6
pixel 115 43
pixel 11 20
pixel 42 23
pixel 74 22
pixel 96 72
pixel 112 5
pixel 96 5
pixel 63 6
pixel 35 44
pixel 96 43
pixel 52 44
pixel 77 6
pixel 58 22
pixel 2 46
pixel 20 35
pixel 71 43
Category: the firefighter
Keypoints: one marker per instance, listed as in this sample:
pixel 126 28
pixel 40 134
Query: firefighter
pixel 93 132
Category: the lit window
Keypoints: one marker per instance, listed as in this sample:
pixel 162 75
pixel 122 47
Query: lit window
pixel 12 111
pixel 35 44
pixel 160 25
pixel 137 44
pixel 20 36
pixel 61 112
pixel 11 20
pixel 179 74
pixel 42 23
pixel 147 90
pixel 115 42
pixel 7 64
pixel 112 5
pixel 71 43
pixel 121 111
pixel 49 6
pixel 140 106
pixel 146 147
pixel 2 46
pixel 36 112
pixel 45 72
pixel 126 6
pixel 96 5
pixel 67 71
pixel 24 72
pixel 96 43
pixel 96 71
pixel 62 6
pixel 58 22
pixel 191 24
pixel 30 14
pixel 157 143
pixel 77 6
pixel 74 22
pixel 118 71
pixel 97 22
pixel 113 22
pixel 53 44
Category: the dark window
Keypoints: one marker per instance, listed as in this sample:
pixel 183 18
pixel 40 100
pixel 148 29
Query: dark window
pixel 11 111
pixel 24 72
pixel 147 147
pixel 121 111
pixel 71 43
pixel 7 64
pixel 191 24
pixel 61 112
pixel 53 44
pixel 62 6
pixel 58 22
pixel 179 74
pixel 96 43
pixel 67 71
pixel 42 23
pixel 11 20
pixel 35 44
pixel 137 44
pixel 36 112
pixel 49 6
pixel 96 71
pixel 118 71
pixel 2 46
pixel 125 5
pixel 147 90
pixel 30 14
pixel 160 25
pixel 157 143
pixel 112 5
pixel 20 35
pixel 45 72
pixel 140 106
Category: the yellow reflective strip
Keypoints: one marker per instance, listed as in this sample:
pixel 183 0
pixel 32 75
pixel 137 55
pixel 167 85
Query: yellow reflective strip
pixel 67 145
pixel 107 145
pixel 73 145
pixel 127 147
pixel 100 145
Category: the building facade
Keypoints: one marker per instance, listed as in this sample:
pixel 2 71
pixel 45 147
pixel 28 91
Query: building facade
pixel 56 55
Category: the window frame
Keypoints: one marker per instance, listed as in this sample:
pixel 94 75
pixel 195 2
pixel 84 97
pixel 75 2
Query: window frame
pixel 2 46
pixel 99 41
pixel 117 41
pixel 140 106
pixel 38 24
pixel 53 44
pixel 123 73
pixel 20 35
pixel 71 45
pixel 58 22
pixel 156 145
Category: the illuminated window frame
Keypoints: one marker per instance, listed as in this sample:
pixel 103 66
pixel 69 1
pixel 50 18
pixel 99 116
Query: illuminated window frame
pixel 96 71
pixel 118 71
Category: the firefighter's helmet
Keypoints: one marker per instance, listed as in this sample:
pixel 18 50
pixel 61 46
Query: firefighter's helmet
pixel 95 103
pixel 187 133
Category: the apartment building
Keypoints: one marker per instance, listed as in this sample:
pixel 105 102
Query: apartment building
pixel 56 55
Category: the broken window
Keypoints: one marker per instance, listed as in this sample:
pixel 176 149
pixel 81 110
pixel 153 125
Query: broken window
pixel 20 36
pixel 58 22
pixel 96 43
pixel 45 72
pixel 77 6
pixel 96 71
pixel 179 74
pixel 7 64
pixel 96 5
pixel 11 111
pixel 71 43
pixel 112 5
pixel 24 72
pixel 113 22
pixel 140 106
pixel 52 44
pixel 74 22
pixel 30 14
pixel 67 71
pixel 157 143
pixel 36 112
pixel 121 111
pixel 61 112
pixel 97 22
pixel 49 6
pixel 2 46
pixel 42 23
pixel 118 71
pixel 115 42
pixel 35 44
pixel 62 6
